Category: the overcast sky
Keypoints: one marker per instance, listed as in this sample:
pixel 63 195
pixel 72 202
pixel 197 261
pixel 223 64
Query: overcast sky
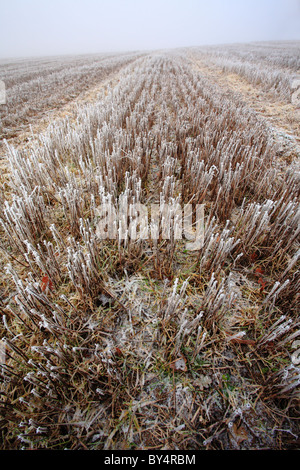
pixel 51 27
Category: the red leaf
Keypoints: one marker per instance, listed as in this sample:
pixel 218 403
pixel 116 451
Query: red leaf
pixel 258 272
pixel 46 282
pixel 262 283
pixel 118 352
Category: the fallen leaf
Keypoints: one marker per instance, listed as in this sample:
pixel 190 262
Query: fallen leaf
pixel 46 282
pixel 262 283
pixel 118 352
pixel 204 381
pixel 179 364
pixel 239 433
pixel 259 272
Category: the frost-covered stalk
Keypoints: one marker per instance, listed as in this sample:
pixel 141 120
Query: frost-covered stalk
pixel 291 264
pixel 24 218
pixel 253 224
pixel 73 205
pixel 280 327
pixel 46 260
pixel 217 301
pixel 35 304
pixel 26 171
pixel 273 294
pixel 285 383
pixel 187 328
pixel 174 302
pixel 80 270
pixel 83 263
pixel 217 247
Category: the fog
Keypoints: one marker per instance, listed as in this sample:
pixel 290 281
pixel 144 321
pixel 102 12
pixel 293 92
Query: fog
pixel 52 27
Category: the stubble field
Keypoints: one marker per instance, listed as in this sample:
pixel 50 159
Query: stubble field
pixel 124 343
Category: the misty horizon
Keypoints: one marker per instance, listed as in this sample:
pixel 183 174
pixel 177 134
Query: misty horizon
pixel 34 29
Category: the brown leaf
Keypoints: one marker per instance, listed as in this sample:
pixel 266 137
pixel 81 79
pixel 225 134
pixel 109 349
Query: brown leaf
pixel 179 364
pixel 243 341
pixel 239 433
pixel 203 381
pixel 234 338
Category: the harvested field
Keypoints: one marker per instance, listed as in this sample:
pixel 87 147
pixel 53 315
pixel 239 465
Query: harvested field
pixel 129 341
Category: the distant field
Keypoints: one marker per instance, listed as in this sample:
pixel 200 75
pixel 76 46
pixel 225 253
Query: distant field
pixel 36 86
pixel 126 341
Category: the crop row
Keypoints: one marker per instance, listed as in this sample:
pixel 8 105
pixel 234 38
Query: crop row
pixel 274 68
pixel 36 86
